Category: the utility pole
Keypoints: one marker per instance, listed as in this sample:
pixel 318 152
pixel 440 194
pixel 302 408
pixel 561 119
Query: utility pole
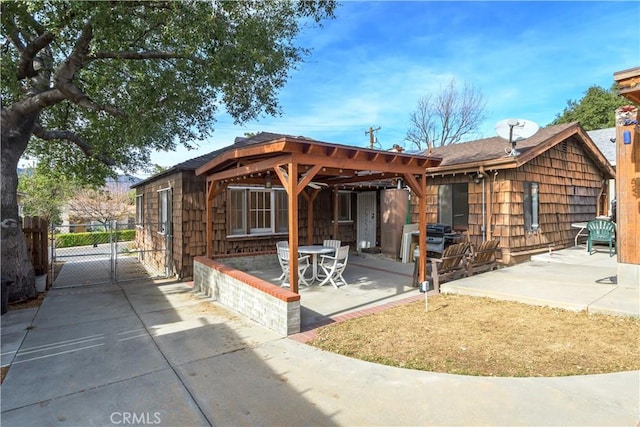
pixel 371 137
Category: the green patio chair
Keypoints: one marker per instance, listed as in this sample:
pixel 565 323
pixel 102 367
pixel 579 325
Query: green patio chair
pixel 603 231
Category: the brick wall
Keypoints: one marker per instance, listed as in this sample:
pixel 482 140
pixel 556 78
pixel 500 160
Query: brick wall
pixel 274 307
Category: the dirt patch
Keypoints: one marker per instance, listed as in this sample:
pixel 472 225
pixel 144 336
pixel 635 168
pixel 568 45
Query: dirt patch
pixel 206 308
pixel 481 336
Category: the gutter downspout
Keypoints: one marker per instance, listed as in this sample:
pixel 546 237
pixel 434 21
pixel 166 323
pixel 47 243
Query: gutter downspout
pixel 486 208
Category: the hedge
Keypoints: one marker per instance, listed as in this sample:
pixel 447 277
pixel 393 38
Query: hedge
pixel 68 240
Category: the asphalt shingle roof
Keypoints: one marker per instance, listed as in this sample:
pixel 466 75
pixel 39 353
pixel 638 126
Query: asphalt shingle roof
pixel 492 148
pixel 602 138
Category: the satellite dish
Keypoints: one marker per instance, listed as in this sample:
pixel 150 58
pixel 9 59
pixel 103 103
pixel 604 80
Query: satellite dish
pixel 515 130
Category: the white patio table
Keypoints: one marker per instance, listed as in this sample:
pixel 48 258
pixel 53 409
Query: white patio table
pixel 315 251
pixel 582 226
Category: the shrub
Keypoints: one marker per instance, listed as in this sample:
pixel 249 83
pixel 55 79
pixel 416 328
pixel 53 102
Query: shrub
pixel 68 240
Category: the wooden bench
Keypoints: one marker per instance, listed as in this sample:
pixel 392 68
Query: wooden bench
pixel 451 265
pixel 484 258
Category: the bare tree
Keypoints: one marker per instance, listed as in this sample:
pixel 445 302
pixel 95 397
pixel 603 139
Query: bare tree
pixel 105 205
pixel 447 117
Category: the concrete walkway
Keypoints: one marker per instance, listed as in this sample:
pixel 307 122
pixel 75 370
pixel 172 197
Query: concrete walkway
pixel 570 279
pixel 155 353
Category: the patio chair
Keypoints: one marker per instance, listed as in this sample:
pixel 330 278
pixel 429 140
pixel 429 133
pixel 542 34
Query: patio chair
pixel 333 266
pixel 602 231
pixel 281 244
pixel 452 264
pixel 484 258
pixel 303 265
pixel 332 243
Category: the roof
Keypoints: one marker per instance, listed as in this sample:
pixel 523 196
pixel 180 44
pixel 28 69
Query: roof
pixel 326 163
pixel 492 152
pixel 603 139
pixel 196 162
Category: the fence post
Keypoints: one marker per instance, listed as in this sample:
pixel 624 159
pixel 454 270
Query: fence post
pixel 52 270
pixel 35 234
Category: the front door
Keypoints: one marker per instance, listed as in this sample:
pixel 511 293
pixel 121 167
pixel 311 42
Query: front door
pixel 366 225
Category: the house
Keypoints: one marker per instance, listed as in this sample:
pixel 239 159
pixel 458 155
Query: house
pixel 251 212
pixel 527 201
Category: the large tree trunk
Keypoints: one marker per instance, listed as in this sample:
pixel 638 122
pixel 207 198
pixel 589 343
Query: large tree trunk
pixel 16 131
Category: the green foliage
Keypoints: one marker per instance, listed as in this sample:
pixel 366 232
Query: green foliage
pixel 153 75
pixel 45 192
pixel 68 240
pixel 596 110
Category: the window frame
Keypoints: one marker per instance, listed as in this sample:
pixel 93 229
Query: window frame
pixel 164 210
pixel 450 206
pixel 345 199
pixel 241 221
pixel 531 206
pixel 139 210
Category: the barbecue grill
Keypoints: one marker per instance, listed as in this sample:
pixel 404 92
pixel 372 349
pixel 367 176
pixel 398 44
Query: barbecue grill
pixel 436 237
pixel 439 236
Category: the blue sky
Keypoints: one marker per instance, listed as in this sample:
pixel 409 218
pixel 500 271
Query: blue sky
pixel 371 65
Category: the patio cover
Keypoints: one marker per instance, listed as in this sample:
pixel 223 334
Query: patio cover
pixel 303 167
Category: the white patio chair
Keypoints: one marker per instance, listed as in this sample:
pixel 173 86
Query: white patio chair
pixel 281 244
pixel 332 243
pixel 303 265
pixel 333 266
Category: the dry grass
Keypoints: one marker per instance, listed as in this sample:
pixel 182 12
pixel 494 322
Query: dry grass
pixel 481 336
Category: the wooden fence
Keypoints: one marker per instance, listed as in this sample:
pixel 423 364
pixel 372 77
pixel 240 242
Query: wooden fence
pixel 36 234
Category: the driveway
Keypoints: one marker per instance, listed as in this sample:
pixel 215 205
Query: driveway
pixel 156 353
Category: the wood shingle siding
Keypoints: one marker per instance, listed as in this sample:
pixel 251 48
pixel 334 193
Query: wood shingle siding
pixel 571 188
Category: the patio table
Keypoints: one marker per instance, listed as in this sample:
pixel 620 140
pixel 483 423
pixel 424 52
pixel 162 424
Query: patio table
pixel 582 226
pixel 314 251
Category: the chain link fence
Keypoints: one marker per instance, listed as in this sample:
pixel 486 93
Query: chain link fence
pixel 87 254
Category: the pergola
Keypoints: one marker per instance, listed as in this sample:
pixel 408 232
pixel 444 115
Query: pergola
pixel 304 167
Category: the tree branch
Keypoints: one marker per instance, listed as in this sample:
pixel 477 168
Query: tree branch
pixel 25 67
pixel 87 149
pixel 65 75
pixel 37 102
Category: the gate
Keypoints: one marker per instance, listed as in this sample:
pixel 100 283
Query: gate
pixel 90 254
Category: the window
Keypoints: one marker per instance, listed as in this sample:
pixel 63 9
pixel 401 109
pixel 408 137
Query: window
pixel 344 206
pixel 258 211
pixel 531 206
pixel 140 210
pixel 453 205
pixel 164 210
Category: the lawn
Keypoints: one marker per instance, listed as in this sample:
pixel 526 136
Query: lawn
pixel 481 336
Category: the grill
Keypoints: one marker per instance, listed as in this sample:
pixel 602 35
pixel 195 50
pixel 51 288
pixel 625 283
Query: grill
pixel 439 236
pixel 436 237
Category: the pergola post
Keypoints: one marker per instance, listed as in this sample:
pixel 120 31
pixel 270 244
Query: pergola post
pixel 422 226
pixel 293 225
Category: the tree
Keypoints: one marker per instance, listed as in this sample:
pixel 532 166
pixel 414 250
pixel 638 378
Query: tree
pixel 596 109
pixel 92 87
pixel 447 117
pixel 102 205
pixel 46 191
